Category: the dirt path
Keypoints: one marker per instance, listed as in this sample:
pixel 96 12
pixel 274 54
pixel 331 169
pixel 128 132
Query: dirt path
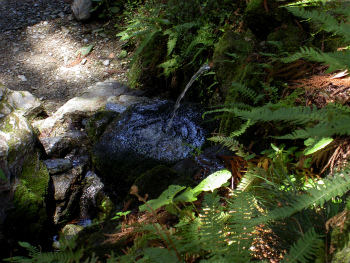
pixel 38 51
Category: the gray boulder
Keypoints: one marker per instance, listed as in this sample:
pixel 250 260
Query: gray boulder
pixel 81 9
pixel 136 141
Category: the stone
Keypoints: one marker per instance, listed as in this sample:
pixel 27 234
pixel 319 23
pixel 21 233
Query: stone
pixel 55 146
pixel 64 181
pixel 29 202
pixel 79 108
pixel 22 77
pixel 106 62
pixel 57 165
pixel 81 9
pixel 122 102
pixel 136 141
pixel 92 185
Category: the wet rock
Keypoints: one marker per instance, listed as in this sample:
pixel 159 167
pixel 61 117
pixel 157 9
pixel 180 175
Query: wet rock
pixel 63 183
pixel 55 146
pixel 98 123
pixel 81 9
pixel 122 102
pixel 92 185
pixel 59 146
pixel 136 141
pixel 68 186
pixel 58 165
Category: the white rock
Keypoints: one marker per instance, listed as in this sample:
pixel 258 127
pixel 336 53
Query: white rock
pixel 106 62
pixel 22 77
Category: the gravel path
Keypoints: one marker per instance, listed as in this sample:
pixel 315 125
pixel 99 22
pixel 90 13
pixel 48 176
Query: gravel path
pixel 39 43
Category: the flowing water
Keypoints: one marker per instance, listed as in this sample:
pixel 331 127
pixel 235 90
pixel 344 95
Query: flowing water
pixel 200 72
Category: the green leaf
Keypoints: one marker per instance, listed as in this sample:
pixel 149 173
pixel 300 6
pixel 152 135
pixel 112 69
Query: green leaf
pixel 85 50
pixel 120 214
pixel 187 196
pixel 213 181
pixel 2 175
pixel 114 9
pixel 315 144
pixel 123 54
pixel 165 198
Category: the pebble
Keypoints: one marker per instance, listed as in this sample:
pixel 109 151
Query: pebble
pixel 22 77
pixel 65 29
pixel 106 62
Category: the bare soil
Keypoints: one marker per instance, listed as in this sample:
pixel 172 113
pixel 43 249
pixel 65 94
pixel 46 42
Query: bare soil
pixel 39 51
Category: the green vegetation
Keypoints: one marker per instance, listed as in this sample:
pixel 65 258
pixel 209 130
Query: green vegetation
pixel 289 186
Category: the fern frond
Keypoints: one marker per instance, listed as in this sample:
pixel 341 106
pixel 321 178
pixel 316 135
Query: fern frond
pixel 327 189
pixel 242 129
pixel 212 232
pixel 247 92
pixel 341 126
pixel 250 177
pixel 171 43
pixel 330 24
pixel 203 37
pixel 305 248
pixel 336 60
pixel 188 235
pixel 146 40
pixel 232 144
pixel 241 211
pixel 295 115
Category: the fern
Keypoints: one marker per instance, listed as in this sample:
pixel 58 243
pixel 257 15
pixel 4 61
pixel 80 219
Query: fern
pixel 330 24
pixel 305 248
pixel 46 257
pixel 212 232
pixel 325 190
pixel 232 144
pixel 241 211
pixel 247 92
pixel 336 60
pixel 250 177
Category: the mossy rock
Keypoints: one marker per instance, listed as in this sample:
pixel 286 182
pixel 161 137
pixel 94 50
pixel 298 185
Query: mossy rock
pixel 230 53
pixel 261 19
pixel 340 241
pixel 98 123
pixel 28 218
pixel 289 36
pixel 95 241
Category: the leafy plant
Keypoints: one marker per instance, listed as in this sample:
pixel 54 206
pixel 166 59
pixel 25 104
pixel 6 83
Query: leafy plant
pixel 330 22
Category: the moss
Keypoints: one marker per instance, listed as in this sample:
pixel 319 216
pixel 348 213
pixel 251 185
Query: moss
pixel 26 220
pixel 105 206
pixel 98 123
pixel 340 240
pixel 258 19
pixel 230 54
pixel 291 36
